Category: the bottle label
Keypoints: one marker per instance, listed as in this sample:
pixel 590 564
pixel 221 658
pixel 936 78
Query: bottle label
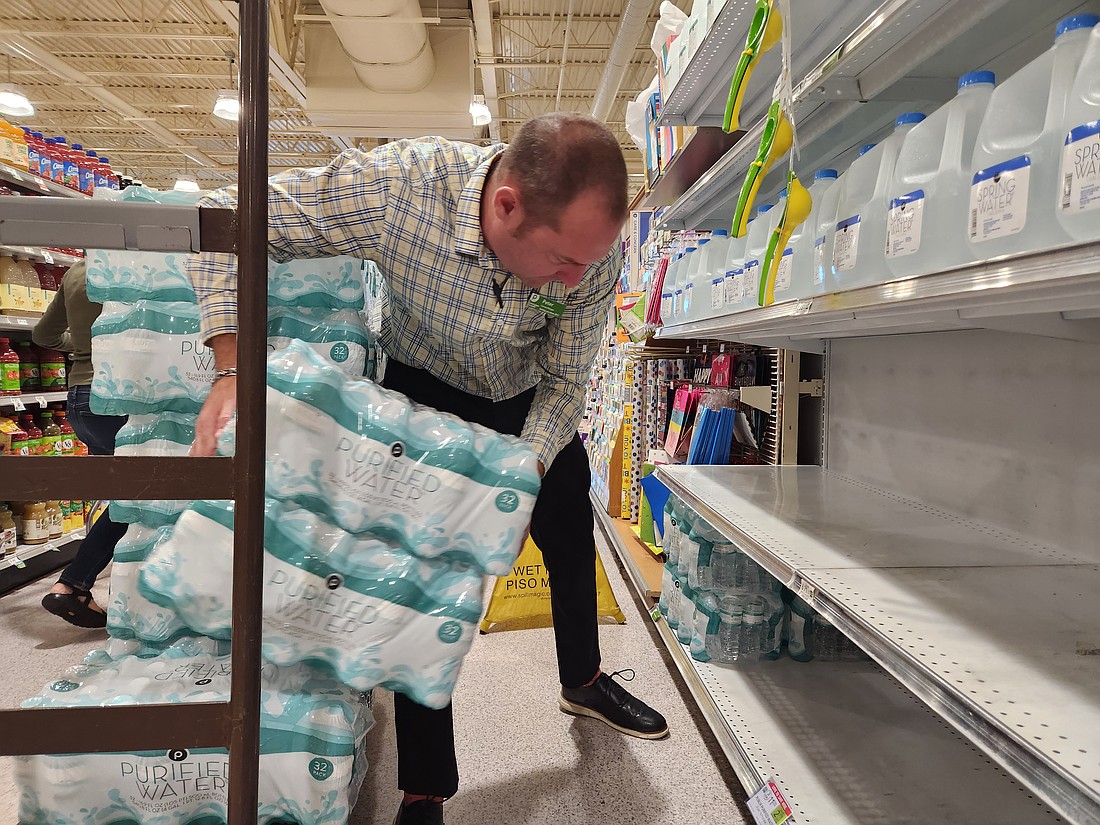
pixel 29 374
pixel 678 303
pixel 689 293
pixel 53 374
pixel 846 244
pixel 87 180
pixel 717 293
pixel 72 174
pixel 998 199
pixel 100 180
pixel 67 444
pixel 57 172
pixel 666 306
pixel 7 540
pixel 45 166
pixel 750 286
pixel 733 281
pixel 35 530
pixel 819 261
pixel 9 377
pixel 1081 169
pixel 903 224
pixel 783 273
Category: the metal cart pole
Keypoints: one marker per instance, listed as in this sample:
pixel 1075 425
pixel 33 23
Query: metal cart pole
pixel 233 724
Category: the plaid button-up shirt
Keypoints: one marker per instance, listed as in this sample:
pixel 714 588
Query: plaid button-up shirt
pixel 414 208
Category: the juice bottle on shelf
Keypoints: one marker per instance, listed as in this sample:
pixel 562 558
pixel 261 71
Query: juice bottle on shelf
pixel 68 434
pixel 9 369
pixel 22 149
pixel 859 245
pixel 32 150
pixel 74 158
pixel 30 274
pixel 8 539
pixel 808 274
pixel 52 369
pixel 34 434
pixel 76 513
pixel 7 148
pixel 29 379
pixel 45 158
pixel 1015 185
pixel 47 276
pixel 1081 153
pixel 55 519
pixel 36 524
pixel 20 443
pixel 88 164
pixel 66 516
pixel 929 197
pixel 51 434
pixel 60 156
pixel 101 172
pixel 108 172
pixel 14 146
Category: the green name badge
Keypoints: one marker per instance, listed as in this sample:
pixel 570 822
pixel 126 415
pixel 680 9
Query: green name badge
pixel 547 306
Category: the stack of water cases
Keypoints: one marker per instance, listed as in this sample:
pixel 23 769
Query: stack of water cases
pixel 728 610
pixel 152 366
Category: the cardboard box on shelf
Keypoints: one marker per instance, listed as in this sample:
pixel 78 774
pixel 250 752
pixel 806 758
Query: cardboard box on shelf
pixel 16 299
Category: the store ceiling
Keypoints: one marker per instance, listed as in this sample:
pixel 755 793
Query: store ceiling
pixel 136 79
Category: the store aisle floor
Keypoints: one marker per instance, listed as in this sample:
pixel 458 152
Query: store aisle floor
pixel 523 761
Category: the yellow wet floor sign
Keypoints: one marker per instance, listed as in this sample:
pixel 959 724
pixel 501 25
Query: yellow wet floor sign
pixel 522 598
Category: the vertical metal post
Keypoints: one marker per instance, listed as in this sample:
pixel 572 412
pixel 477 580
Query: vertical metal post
pixel 788 406
pixel 244 709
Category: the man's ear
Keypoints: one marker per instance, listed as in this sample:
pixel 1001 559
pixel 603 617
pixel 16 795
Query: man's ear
pixel 508 207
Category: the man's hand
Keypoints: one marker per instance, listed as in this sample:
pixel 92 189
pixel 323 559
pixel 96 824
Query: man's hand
pixel 217 411
pixel 221 403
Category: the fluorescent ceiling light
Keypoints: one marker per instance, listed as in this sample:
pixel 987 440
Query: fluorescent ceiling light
pixel 186 185
pixel 14 102
pixel 227 106
pixel 480 112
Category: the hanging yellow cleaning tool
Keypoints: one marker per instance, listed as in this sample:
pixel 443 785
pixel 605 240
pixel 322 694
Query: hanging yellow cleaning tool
pixel 774 144
pixel 795 211
pixel 764 32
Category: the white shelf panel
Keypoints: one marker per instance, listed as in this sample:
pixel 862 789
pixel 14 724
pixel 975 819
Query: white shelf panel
pixel 26 552
pixel 992 631
pixel 1054 292
pixel 32 183
pixel 17 324
pixel 36 399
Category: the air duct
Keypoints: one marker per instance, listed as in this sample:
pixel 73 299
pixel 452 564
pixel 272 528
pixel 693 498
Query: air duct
pixel 386 41
pixel 631 26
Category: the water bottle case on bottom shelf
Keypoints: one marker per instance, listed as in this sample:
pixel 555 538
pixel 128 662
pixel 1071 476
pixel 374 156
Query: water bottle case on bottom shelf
pixel 311 749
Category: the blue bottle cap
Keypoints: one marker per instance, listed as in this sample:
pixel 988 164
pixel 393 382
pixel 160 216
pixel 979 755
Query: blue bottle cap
pixel 783 194
pixel 825 174
pixel 765 208
pixel 866 149
pixel 970 78
pixel 908 118
pixel 78 147
pixel 105 159
pixel 1078 21
pixel 704 241
pixel 721 233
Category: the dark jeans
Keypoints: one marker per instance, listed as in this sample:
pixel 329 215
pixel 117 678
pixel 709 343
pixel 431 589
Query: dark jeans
pixel 98 432
pixel 562 527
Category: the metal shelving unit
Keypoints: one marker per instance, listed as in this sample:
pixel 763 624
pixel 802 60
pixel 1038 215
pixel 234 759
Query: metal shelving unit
pixel 16 323
pixel 35 399
pixel 25 552
pixel 40 254
pixel 929 595
pixel 1054 293
pixel 33 184
pixel 857 66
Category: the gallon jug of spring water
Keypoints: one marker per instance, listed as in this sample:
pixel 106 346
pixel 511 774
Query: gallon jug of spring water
pixel 808 268
pixel 713 267
pixel 733 282
pixel 1015 188
pixel 755 247
pixel 930 195
pixel 698 261
pixel 859 245
pixel 1079 206
pixel 668 290
pixel 681 282
pixel 784 275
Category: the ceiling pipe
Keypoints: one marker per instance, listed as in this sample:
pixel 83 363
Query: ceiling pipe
pixel 631 27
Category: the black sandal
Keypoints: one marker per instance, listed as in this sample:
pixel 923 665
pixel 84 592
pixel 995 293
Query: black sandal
pixel 73 608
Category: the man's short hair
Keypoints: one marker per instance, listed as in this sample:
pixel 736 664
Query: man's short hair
pixel 558 156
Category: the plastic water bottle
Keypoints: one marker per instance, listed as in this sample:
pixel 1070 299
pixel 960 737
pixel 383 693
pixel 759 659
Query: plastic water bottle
pixel 672 525
pixel 859 245
pixel 784 275
pixel 775 625
pixel 686 612
pixel 825 640
pixel 707 623
pixel 755 248
pixel 799 628
pixel 929 198
pixel 725 645
pixel 733 281
pixel 672 614
pixel 1016 189
pixel 752 630
pixel 668 290
pixel 1080 174
pixel 696 273
pixel 713 266
pixel 682 275
pixel 807 271
pixel 668 585
pixel 722 565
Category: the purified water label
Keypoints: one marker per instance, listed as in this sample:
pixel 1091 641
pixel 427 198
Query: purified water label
pixel 717 293
pixel 751 286
pixel 783 273
pixel 846 244
pixel 1081 169
pixel 998 199
pixel 903 226
pixel 733 285
pixel 666 306
pixel 819 261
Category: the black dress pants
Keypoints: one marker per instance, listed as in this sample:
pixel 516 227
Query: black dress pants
pixel 561 525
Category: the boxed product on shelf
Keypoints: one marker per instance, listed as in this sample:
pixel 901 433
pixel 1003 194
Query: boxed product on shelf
pixel 312 762
pixel 16 299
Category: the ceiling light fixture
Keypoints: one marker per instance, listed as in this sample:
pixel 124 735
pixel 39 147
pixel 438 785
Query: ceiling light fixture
pixel 228 106
pixel 12 100
pixel 186 185
pixel 480 112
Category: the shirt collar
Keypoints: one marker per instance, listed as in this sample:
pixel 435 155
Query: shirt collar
pixel 468 237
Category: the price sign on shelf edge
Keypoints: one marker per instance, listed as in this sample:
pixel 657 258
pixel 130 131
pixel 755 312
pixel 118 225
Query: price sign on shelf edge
pixel 18 404
pixel 768 806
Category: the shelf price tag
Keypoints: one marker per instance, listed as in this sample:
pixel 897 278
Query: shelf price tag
pixel 16 561
pixel 803 306
pixel 53 548
pixel 767 805
pixel 41 400
pixel 49 258
pixel 807 591
pixel 18 404
pixel 655 613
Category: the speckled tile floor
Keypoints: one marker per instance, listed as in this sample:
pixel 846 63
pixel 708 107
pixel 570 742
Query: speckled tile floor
pixel 523 762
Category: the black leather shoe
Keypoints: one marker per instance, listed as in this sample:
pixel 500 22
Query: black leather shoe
pixel 607 700
pixel 421 812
